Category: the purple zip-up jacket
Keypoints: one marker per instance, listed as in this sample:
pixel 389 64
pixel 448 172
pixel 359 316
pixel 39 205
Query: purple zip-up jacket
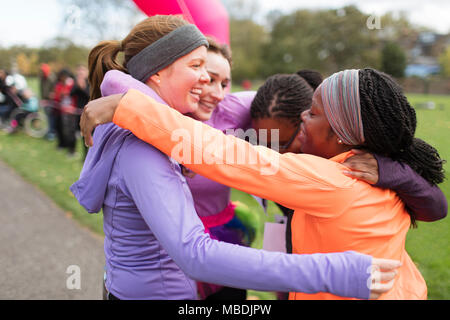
pixel 155 244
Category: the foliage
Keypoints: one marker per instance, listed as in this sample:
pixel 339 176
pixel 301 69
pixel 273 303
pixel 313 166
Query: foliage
pixel 59 52
pixel 247 48
pixel 327 40
pixel 444 60
pixel 393 60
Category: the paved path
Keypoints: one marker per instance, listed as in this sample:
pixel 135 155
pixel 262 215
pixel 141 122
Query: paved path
pixel 38 243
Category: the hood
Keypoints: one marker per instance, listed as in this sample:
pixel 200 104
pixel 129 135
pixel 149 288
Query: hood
pixel 90 189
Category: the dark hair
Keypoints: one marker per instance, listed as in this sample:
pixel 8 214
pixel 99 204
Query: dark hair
pixel 313 77
pixel 64 73
pixel 389 124
pixel 282 96
pixel 221 49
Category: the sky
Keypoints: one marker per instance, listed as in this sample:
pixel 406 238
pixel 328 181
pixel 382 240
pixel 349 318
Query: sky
pixel 33 22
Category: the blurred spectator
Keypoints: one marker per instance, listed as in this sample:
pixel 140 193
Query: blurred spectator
pixel 30 104
pixel 46 83
pixel 16 80
pixel 246 85
pixel 5 103
pixel 63 109
pixel 80 95
pixel 9 99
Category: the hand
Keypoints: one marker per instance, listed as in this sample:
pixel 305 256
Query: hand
pixel 97 112
pixel 382 276
pixel 364 166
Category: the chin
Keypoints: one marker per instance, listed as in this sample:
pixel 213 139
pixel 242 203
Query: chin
pixel 202 116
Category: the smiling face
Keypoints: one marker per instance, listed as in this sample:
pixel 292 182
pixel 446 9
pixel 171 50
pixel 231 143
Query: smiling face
pixel 181 83
pixel 316 136
pixel 219 71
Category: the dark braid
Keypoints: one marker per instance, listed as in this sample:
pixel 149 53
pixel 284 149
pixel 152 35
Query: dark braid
pixel 389 124
pixel 282 96
pixel 313 77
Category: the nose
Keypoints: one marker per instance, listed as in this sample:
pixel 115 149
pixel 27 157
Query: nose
pixel 303 115
pixel 204 76
pixel 218 92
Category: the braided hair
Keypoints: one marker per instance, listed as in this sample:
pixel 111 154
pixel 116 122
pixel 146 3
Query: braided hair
pixel 389 124
pixel 282 96
pixel 314 78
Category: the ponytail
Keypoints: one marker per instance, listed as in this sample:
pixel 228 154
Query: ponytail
pixel 424 159
pixel 389 124
pixel 102 59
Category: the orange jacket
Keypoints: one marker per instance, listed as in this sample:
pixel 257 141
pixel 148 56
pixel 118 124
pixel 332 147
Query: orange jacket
pixel 333 212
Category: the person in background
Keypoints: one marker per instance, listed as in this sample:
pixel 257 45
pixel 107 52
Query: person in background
pixel 63 108
pixel 46 84
pixel 80 96
pixel 7 102
pixel 16 80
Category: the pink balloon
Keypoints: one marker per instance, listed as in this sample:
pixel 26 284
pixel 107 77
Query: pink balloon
pixel 210 16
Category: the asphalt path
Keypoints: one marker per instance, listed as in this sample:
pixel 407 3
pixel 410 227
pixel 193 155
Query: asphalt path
pixel 44 254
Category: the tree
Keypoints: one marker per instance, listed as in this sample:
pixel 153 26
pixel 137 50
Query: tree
pixel 444 60
pixel 99 20
pixel 393 60
pixel 247 40
pixel 325 40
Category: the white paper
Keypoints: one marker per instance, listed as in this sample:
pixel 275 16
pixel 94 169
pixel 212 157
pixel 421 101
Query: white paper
pixel 262 202
pixel 274 237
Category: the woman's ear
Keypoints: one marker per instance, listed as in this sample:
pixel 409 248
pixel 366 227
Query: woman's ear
pixel 154 79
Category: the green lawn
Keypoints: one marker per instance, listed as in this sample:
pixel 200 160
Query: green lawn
pixel 39 162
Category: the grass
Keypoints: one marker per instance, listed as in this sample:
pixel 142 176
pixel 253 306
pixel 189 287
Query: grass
pixel 52 171
pixel 428 245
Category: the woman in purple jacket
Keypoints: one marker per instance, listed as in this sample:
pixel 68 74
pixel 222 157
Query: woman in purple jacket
pixel 155 243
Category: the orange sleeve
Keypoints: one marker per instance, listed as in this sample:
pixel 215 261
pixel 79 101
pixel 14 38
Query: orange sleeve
pixel 298 181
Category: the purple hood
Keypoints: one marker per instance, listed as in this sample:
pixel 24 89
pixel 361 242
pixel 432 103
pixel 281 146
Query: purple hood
pixel 108 139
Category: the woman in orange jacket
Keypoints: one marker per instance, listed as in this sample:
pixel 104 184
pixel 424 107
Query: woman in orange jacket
pixel 333 212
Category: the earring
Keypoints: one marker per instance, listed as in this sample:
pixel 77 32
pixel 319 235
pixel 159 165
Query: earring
pixel 340 141
pixel 158 81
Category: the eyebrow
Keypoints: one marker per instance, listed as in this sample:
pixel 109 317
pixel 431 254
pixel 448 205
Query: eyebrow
pixel 217 75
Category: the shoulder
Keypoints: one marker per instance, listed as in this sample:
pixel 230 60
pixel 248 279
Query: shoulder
pixel 234 110
pixel 139 157
pixel 134 150
pixel 237 100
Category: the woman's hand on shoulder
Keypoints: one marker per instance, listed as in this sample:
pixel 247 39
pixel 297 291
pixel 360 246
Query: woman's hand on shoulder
pixel 97 112
pixel 363 166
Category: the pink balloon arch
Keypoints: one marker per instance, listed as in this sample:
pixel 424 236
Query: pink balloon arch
pixel 210 16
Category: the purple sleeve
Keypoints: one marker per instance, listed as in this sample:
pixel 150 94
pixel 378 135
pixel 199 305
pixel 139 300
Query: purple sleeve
pixel 116 81
pixel 427 202
pixel 164 200
pixel 237 105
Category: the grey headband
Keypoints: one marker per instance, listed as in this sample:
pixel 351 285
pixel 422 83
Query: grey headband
pixel 165 51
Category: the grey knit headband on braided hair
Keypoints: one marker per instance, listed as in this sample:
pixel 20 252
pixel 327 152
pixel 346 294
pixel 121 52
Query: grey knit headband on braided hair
pixel 165 51
pixel 340 99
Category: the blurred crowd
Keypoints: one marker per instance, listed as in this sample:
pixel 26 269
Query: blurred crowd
pixel 63 95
